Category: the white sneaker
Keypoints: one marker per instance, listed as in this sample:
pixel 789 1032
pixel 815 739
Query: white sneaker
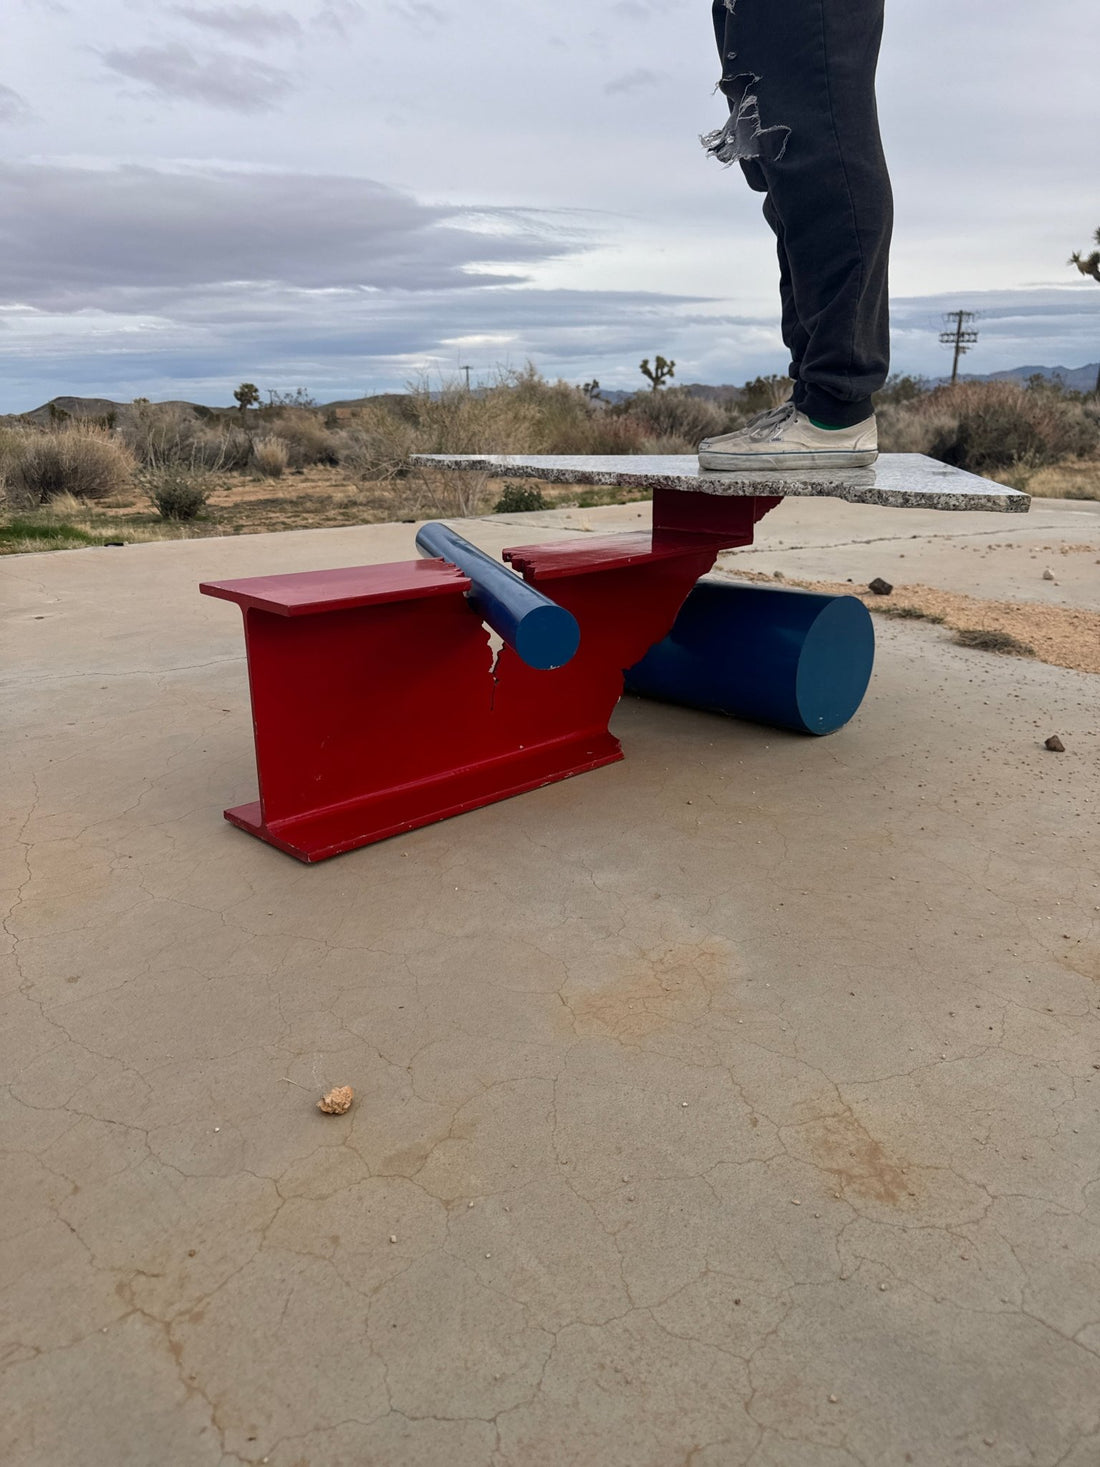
pixel 784 438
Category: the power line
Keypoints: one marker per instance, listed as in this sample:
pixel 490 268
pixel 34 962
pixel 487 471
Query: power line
pixel 960 338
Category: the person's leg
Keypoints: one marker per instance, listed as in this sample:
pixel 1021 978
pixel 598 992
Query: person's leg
pixel 795 336
pixel 799 78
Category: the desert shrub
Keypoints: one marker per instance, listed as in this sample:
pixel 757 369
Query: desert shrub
pixel 222 450
pixel 989 427
pixel 176 491
pixel 446 493
pixel 519 499
pixel 900 389
pixel 999 425
pixel 504 418
pixel 670 445
pixel 270 455
pixel 905 428
pixel 518 413
pixel 159 431
pixel 11 440
pixel 678 417
pixel 78 459
pixel 764 392
pixel 164 433
pixel 307 439
pixel 301 397
pixel 560 418
pixel 610 433
pixel 376 445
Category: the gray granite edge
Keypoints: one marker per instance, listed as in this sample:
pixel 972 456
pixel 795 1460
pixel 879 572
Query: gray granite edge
pixel 1002 501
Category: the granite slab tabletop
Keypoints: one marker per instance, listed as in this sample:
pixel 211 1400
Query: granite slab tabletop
pixel 900 480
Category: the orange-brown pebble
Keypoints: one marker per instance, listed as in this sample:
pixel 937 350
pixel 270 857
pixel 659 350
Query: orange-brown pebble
pixel 337 1101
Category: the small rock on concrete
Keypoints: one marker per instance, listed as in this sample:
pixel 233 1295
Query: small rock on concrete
pixel 1055 745
pixel 880 587
pixel 337 1101
pixel 1048 574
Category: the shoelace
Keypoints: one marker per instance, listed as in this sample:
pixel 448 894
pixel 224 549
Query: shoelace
pixel 771 423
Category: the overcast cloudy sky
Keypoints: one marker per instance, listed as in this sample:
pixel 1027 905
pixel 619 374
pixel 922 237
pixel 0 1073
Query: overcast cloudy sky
pixel 342 194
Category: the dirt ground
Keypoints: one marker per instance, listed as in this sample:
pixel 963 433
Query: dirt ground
pixel 319 497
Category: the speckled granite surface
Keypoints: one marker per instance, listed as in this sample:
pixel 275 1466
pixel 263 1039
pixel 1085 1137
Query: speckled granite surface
pixel 902 480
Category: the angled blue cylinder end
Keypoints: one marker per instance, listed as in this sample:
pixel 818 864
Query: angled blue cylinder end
pixel 547 637
pixel 769 654
pixel 542 633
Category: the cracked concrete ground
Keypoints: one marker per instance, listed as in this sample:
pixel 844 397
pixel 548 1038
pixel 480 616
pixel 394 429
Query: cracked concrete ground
pixel 735 1104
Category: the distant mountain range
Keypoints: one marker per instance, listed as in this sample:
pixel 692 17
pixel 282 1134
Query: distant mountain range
pixel 1075 379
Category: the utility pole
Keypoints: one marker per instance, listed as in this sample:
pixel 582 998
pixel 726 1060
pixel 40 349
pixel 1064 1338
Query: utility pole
pixel 467 371
pixel 960 338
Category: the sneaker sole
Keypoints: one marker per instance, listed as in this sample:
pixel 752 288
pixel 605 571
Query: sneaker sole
pixel 838 458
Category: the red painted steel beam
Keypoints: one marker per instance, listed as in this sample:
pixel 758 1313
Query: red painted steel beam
pixel 377 704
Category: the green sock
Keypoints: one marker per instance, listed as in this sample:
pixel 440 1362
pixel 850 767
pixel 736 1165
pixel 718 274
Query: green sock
pixel 829 427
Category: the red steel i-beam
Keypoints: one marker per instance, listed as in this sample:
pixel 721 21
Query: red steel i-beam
pixel 378 706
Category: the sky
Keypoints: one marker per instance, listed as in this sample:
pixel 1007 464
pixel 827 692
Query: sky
pixel 349 195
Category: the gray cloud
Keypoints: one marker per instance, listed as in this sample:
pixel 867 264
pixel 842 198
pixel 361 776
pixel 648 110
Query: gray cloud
pixel 338 16
pixel 234 83
pixel 336 342
pixel 420 10
pixel 136 235
pixel 251 25
pixel 632 9
pixel 341 342
pixel 13 108
pixel 632 81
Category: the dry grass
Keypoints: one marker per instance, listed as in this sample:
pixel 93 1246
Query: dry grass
pixel 986 639
pixel 68 523
pixel 1074 479
pixel 270 456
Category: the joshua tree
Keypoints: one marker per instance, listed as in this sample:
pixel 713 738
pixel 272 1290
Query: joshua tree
pixel 247 395
pixel 1089 265
pixel 659 372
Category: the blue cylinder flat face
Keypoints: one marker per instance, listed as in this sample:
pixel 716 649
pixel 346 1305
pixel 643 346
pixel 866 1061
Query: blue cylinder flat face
pixel 547 637
pixel 772 655
pixel 834 667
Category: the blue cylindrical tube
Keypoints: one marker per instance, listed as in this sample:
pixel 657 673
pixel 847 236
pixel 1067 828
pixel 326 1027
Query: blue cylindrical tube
pixel 542 633
pixel 769 654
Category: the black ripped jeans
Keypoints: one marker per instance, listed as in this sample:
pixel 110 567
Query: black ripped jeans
pixel 799 76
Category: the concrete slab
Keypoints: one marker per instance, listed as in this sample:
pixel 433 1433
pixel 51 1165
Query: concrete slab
pixel 735 1104
pixel 904 480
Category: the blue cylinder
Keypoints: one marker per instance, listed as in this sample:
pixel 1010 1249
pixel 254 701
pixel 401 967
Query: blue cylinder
pixel 542 633
pixel 770 654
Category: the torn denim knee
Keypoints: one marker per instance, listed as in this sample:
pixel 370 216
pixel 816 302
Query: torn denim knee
pixel 743 139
